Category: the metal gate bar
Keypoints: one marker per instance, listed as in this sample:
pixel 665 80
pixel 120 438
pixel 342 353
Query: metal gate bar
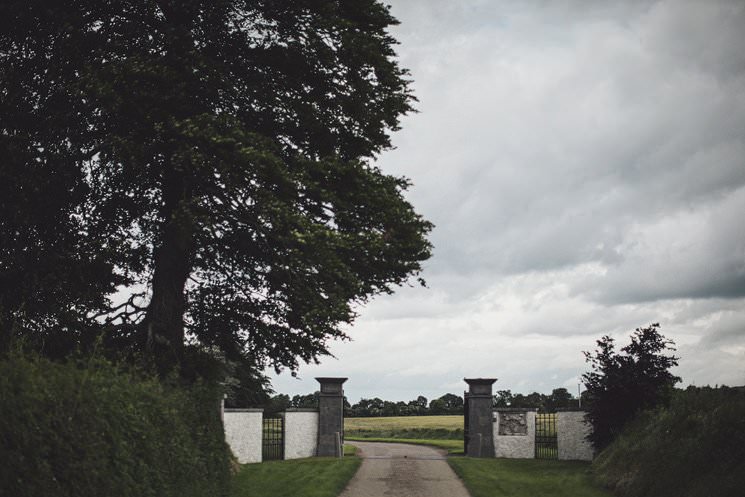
pixel 273 439
pixel 546 441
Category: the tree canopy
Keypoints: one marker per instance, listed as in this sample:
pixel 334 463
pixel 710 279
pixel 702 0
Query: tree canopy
pixel 620 384
pixel 199 172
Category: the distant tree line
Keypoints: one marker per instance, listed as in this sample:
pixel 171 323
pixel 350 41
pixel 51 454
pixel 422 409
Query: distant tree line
pixel 421 406
pixel 559 398
pixel 447 404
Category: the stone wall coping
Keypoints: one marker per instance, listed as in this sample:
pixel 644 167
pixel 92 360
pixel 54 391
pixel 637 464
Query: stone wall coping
pixel 241 409
pixel 301 409
pixel 514 409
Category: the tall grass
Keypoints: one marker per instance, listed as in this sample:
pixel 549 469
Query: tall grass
pixel 693 448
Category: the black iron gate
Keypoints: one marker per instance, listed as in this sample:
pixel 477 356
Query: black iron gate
pixel 465 422
pixel 273 438
pixel 546 441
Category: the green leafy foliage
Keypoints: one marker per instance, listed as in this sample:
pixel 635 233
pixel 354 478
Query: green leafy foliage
pixel 695 447
pixel 621 384
pixel 208 160
pixel 91 430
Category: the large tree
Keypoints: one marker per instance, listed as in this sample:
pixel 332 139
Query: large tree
pixel 622 383
pixel 211 162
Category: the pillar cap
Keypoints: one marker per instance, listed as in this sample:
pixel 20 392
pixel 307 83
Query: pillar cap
pixel 331 386
pixel 478 387
pixel 480 381
pixel 331 379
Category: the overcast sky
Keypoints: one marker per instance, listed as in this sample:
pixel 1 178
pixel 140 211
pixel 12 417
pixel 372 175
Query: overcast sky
pixel 584 165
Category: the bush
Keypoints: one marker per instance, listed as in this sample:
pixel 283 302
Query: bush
pixel 83 430
pixel 621 384
pixel 693 448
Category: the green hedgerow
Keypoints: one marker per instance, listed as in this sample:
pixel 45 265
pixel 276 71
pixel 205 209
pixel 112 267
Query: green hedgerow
pixel 93 430
pixel 695 447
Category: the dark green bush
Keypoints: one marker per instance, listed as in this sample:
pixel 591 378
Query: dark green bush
pixel 693 448
pixel 83 430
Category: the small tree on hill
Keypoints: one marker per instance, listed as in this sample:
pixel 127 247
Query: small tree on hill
pixel 620 385
pixel 559 398
pixel 503 398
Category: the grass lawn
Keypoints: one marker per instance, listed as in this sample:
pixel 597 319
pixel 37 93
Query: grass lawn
pixel 526 478
pixel 454 447
pixel 312 477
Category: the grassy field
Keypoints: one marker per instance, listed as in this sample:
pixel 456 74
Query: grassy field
pixel 445 432
pixel 526 478
pixel 416 427
pixel 313 477
pixel 404 422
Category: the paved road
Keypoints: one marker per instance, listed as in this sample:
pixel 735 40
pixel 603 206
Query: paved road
pixel 402 470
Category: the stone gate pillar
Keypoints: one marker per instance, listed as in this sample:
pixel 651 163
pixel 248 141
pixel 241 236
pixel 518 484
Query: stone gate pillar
pixel 331 417
pixel 480 417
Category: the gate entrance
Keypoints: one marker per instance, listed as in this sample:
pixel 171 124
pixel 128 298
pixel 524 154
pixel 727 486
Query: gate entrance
pixel 273 438
pixel 546 441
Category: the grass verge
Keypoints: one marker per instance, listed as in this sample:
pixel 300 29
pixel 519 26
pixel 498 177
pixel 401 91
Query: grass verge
pixel 454 447
pixel 349 450
pixel 312 477
pixel 526 478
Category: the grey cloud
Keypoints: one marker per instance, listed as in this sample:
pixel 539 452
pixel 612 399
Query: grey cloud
pixel 584 164
pixel 696 255
pixel 539 178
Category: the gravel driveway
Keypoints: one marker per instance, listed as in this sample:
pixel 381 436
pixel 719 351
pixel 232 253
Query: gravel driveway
pixel 402 470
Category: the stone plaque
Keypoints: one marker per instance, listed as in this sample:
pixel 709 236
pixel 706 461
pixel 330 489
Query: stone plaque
pixel 513 423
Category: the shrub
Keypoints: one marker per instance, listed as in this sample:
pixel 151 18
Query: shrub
pixel 92 429
pixel 620 385
pixel 693 448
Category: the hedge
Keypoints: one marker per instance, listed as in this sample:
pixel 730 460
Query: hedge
pixel 693 448
pixel 94 430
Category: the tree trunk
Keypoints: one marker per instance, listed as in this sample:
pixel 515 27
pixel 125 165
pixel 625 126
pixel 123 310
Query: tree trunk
pixel 174 251
pixel 172 260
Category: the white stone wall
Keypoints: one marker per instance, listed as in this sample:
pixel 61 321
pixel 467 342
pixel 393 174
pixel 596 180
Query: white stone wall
pixel 243 428
pixel 515 446
pixel 301 433
pixel 572 429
